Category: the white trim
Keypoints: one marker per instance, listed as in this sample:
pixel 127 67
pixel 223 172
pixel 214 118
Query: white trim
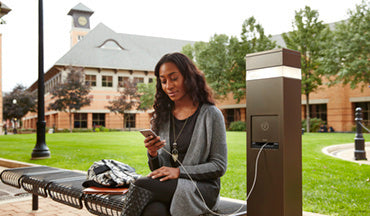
pixel 233 106
pixel 316 101
pixel 359 99
pixel 273 72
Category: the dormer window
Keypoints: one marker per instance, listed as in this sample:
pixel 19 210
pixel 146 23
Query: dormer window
pixel 111 44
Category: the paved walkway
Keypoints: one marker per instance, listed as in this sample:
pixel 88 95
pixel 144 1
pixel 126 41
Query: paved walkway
pixel 17 202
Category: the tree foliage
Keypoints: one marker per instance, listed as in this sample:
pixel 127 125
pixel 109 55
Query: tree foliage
pixel 222 59
pixel 128 99
pixel 347 59
pixel 18 102
pixel 147 95
pixel 72 94
pixel 309 37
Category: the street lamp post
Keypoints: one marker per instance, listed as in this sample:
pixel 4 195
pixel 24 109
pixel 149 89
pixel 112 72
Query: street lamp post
pixel 41 151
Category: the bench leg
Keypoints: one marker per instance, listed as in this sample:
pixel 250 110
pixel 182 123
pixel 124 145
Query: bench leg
pixel 35 202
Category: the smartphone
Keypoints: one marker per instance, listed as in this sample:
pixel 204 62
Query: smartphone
pixel 148 132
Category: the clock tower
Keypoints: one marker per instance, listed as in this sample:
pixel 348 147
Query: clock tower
pixel 80 22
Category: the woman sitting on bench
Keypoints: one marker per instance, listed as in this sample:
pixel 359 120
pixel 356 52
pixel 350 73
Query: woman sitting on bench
pixel 190 148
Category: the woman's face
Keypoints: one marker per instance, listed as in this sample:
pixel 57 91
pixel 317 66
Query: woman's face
pixel 172 81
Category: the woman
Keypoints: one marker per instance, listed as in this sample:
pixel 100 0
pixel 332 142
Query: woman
pixel 192 130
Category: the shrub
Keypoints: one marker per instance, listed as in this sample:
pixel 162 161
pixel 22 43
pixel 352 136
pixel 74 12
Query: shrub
pixel 314 124
pixel 103 129
pixel 238 126
pixel 79 130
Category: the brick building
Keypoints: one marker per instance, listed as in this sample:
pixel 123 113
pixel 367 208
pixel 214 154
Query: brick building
pixel 109 59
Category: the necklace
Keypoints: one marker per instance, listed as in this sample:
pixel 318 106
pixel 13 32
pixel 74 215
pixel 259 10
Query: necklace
pixel 175 152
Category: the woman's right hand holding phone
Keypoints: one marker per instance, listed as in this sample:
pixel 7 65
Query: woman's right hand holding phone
pixel 153 144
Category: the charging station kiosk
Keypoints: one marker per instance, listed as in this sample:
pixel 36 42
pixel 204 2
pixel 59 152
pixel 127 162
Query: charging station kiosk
pixel 274 117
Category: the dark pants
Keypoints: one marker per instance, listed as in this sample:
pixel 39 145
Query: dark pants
pixel 162 195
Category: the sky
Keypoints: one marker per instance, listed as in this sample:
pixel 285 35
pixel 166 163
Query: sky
pixel 195 20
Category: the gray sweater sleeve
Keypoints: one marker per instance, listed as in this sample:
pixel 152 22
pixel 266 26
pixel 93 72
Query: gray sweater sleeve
pixel 209 141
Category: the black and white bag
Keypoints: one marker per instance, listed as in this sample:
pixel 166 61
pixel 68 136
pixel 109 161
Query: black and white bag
pixel 110 173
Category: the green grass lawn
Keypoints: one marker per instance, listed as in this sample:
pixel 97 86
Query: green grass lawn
pixel 330 186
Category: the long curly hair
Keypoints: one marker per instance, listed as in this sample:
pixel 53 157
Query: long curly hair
pixel 194 82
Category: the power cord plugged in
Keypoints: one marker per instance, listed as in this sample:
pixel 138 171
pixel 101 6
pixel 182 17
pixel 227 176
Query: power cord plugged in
pixel 235 213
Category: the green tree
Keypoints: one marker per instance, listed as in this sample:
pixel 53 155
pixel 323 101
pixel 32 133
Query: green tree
pixel 309 37
pixel 71 95
pixel 147 95
pixel 18 103
pixel 128 100
pixel 222 59
pixel 347 59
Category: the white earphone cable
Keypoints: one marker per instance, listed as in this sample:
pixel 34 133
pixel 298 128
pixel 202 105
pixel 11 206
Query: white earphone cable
pixel 204 202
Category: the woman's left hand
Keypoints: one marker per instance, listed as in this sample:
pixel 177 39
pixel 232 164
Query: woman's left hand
pixel 166 173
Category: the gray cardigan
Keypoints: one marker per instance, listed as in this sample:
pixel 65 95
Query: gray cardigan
pixel 205 161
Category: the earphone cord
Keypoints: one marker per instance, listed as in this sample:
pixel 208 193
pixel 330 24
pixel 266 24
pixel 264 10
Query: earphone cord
pixel 204 202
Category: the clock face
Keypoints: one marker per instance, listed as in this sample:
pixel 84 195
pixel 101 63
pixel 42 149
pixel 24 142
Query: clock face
pixel 82 20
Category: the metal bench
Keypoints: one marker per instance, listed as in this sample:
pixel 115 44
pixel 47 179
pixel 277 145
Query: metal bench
pixel 65 186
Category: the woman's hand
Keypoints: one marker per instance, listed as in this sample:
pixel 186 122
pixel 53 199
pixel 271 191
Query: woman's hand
pixel 166 173
pixel 153 144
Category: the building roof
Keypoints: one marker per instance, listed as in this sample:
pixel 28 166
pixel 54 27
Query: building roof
pixel 80 7
pixel 104 48
pixel 4 9
pixel 279 40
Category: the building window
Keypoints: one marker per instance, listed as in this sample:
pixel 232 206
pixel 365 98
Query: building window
pixel 130 120
pixel 90 80
pixel 231 116
pixel 365 106
pixel 80 120
pixel 317 111
pixel 107 81
pixel 138 80
pixel 80 37
pixel 98 119
pixel 122 81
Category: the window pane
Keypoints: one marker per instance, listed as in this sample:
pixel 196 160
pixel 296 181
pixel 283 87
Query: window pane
pixel 98 119
pixel 138 80
pixel 90 80
pixel 122 81
pixel 130 121
pixel 80 120
pixel 317 111
pixel 365 106
pixel 107 81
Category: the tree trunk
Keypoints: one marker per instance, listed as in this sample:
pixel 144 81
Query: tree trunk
pixel 70 122
pixel 307 113
pixel 124 121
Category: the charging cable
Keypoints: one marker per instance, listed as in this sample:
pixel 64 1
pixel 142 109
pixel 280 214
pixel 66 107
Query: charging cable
pixel 255 170
pixel 201 196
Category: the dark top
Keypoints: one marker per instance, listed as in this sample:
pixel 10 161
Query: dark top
pixel 183 140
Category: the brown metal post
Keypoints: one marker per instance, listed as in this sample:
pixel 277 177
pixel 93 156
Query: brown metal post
pixel 274 117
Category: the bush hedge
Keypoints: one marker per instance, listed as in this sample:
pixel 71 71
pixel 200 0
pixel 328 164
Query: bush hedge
pixel 238 126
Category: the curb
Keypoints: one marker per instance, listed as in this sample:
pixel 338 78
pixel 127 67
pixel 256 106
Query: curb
pixel 345 152
pixel 14 164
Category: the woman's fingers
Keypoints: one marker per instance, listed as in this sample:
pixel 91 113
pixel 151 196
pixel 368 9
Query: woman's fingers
pixel 165 173
pixel 153 144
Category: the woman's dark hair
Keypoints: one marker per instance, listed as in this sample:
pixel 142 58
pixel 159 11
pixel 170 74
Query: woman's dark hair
pixel 194 82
